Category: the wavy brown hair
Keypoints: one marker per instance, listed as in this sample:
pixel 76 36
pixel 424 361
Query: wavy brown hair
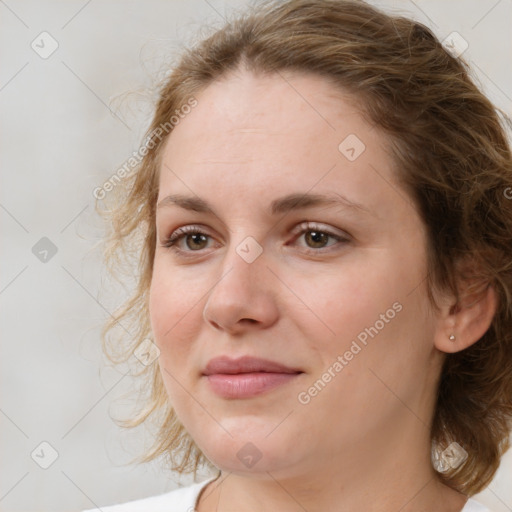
pixel 451 153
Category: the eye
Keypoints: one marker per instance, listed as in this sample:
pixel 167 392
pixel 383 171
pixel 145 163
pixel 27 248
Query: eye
pixel 194 238
pixel 317 237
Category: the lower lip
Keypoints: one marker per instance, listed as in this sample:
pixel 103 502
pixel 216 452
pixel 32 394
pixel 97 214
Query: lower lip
pixel 247 385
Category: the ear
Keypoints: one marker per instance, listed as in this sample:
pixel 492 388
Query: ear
pixel 467 320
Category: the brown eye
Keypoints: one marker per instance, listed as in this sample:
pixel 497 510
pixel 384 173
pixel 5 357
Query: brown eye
pixel 195 240
pixel 316 239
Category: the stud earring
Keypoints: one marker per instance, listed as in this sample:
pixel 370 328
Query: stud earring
pixel 452 337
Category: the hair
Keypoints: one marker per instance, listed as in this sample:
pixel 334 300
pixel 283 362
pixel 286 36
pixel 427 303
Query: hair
pixel 451 154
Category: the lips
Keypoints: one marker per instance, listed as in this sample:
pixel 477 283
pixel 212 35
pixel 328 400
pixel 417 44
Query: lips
pixel 247 376
pixel 245 364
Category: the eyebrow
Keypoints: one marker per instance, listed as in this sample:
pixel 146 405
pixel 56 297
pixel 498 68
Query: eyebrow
pixel 285 204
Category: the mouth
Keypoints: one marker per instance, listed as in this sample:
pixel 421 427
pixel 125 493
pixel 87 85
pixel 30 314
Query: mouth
pixel 246 377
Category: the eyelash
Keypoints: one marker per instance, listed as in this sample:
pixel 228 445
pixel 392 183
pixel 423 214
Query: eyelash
pixel 172 241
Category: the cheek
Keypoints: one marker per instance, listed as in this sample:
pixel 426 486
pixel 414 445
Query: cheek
pixel 174 306
pixel 370 302
pixel 174 323
pixel 340 303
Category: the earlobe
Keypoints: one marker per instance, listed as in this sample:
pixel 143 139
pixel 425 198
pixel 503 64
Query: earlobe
pixel 466 322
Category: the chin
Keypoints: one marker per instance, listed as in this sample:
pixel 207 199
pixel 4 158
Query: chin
pixel 251 446
pixel 248 458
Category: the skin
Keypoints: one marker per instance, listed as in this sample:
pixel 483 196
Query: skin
pixel 362 443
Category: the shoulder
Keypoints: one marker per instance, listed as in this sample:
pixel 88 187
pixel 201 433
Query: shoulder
pixel 475 506
pixel 181 500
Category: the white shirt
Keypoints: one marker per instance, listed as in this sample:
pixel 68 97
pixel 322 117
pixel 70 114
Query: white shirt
pixel 184 499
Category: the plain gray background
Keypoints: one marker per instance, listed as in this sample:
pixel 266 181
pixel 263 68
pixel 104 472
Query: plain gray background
pixel 69 121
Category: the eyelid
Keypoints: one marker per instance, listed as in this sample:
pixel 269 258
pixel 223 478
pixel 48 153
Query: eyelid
pixel 308 225
pixel 182 231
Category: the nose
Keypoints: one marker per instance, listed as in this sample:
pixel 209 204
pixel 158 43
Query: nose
pixel 244 295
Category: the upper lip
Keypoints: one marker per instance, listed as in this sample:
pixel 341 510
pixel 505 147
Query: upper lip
pixel 245 364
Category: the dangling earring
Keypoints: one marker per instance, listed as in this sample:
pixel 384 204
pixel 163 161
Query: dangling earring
pixel 451 337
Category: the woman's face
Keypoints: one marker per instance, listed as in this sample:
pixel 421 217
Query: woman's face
pixel 334 291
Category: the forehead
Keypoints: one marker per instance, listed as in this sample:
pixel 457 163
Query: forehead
pixel 276 133
pixel 284 105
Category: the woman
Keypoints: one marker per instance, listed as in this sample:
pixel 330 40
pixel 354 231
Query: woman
pixel 325 268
